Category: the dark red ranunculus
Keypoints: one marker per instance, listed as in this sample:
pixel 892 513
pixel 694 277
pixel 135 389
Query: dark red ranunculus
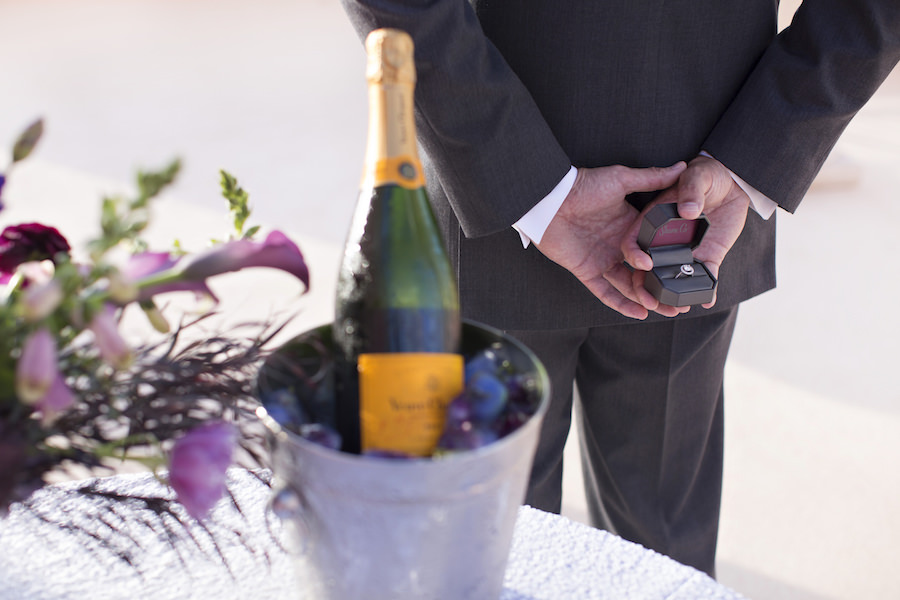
pixel 27 242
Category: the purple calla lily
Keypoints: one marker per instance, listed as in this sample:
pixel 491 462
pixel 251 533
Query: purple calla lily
pixel 145 264
pixel 198 466
pixel 155 273
pixel 277 251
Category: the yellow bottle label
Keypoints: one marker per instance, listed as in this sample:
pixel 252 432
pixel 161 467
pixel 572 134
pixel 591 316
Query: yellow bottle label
pixel 405 171
pixel 403 399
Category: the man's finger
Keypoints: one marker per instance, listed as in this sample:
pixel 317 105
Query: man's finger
pixel 637 279
pixel 651 178
pixel 622 279
pixel 614 299
pixel 712 302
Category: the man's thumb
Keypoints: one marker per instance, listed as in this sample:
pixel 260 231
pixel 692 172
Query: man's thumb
pixel 689 208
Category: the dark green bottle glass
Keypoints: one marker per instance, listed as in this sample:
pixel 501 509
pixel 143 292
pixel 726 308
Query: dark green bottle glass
pixel 397 325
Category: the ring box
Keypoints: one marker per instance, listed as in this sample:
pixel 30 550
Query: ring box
pixel 670 240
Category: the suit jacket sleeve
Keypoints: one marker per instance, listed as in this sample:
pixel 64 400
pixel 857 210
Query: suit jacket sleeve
pixel 495 153
pixel 803 92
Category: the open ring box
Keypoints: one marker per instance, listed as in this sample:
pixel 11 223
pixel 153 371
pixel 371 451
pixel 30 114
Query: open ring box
pixel 670 240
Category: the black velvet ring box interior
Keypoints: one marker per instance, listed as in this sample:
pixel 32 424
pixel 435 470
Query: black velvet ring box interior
pixel 670 240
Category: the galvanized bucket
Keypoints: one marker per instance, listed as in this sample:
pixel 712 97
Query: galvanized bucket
pixel 370 528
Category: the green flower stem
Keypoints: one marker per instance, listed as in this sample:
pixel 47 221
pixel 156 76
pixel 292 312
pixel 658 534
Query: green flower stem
pixel 173 275
pixel 12 286
pixel 168 276
pixel 118 449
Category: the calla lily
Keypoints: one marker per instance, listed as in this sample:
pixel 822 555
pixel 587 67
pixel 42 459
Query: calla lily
pixel 109 341
pixel 36 368
pixel 154 273
pixel 145 264
pixel 198 466
pixel 277 251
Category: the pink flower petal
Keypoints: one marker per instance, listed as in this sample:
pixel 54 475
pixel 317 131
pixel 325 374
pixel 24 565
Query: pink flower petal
pixel 198 466
pixel 36 368
pixel 58 399
pixel 109 341
pixel 39 301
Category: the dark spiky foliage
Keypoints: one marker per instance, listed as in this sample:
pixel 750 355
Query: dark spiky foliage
pixel 172 386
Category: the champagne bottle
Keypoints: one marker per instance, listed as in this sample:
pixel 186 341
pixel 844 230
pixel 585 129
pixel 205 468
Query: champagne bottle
pixel 397 324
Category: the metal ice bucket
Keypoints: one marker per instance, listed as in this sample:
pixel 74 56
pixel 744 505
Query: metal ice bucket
pixel 370 528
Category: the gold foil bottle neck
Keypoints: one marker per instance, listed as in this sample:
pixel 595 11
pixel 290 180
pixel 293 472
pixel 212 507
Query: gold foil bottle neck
pixel 390 57
pixel 391 153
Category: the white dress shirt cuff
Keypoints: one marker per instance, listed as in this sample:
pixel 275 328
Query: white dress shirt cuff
pixel 759 202
pixel 534 223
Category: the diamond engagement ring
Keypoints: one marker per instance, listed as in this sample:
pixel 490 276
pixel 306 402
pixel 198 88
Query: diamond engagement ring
pixel 685 271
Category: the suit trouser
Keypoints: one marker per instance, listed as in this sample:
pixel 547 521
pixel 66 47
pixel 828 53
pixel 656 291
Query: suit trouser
pixel 650 419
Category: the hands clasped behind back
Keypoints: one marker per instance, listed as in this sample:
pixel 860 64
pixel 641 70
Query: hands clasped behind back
pixel 588 234
pixel 706 186
pixel 595 231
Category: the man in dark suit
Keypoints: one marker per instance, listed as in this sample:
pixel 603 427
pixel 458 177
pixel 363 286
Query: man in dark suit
pixel 527 112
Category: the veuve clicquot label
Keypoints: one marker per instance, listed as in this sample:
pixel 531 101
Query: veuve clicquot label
pixel 403 399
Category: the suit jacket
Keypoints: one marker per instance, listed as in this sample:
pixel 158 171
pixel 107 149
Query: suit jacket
pixel 510 93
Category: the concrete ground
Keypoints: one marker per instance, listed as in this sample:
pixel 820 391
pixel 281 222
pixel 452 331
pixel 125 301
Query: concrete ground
pixel 273 91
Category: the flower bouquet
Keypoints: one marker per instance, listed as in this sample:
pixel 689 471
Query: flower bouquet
pixel 74 394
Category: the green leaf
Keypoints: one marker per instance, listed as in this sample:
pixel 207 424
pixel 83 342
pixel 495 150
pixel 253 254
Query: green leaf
pixel 151 183
pixel 238 200
pixel 109 216
pixel 122 221
pixel 138 225
pixel 248 235
pixel 28 140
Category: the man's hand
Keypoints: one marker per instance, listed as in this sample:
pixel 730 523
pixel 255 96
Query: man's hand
pixel 588 232
pixel 706 186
